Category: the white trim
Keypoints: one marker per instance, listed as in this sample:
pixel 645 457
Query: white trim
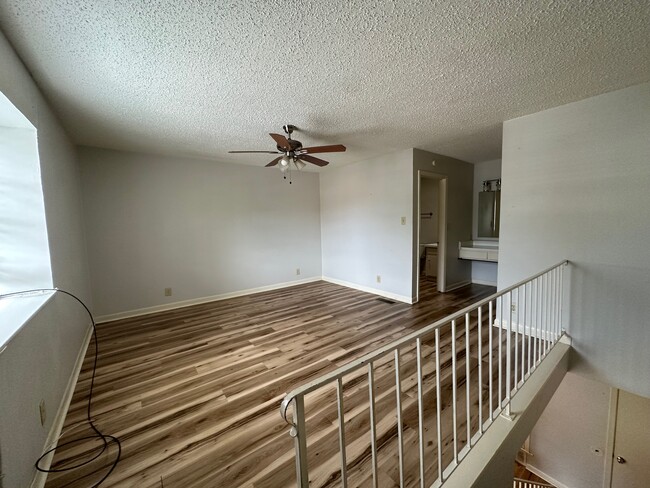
pixel 543 475
pixel 197 301
pixel 460 284
pixel 612 418
pixel 441 273
pixel 484 282
pixel 57 425
pixel 367 289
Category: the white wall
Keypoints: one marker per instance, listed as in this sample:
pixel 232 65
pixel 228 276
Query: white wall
pixel 580 409
pixel 483 272
pixel 575 185
pixel 361 209
pixel 202 228
pixel 39 360
pixel 459 209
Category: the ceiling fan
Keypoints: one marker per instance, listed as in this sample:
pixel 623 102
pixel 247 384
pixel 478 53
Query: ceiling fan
pixel 294 155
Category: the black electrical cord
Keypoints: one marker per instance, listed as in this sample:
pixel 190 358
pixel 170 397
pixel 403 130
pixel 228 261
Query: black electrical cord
pixel 106 439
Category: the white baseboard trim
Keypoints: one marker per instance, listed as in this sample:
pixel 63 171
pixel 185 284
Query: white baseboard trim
pixel 57 425
pixel 367 289
pixel 197 301
pixel 543 475
pixel 484 282
pixel 455 286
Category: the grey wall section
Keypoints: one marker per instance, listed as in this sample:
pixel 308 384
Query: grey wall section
pixel 483 272
pixel 39 360
pixel 361 209
pixel 572 427
pixel 459 209
pixel 575 185
pixel 202 228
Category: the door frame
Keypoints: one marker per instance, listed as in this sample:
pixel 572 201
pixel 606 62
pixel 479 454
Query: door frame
pixel 611 434
pixel 441 280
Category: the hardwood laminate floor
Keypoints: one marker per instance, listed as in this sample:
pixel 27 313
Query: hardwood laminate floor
pixel 193 394
pixel 523 474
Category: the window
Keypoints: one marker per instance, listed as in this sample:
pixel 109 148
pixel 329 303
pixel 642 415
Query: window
pixel 24 251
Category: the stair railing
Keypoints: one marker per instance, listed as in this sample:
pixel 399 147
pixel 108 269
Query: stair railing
pixel 514 330
pixel 519 483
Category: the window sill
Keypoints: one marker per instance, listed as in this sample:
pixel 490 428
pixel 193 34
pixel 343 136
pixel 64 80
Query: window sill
pixel 16 311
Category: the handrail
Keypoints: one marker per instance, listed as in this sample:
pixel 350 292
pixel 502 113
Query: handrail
pixel 525 320
pixel 369 357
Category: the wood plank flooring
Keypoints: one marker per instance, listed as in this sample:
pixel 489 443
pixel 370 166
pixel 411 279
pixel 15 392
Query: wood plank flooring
pixel 523 474
pixel 194 393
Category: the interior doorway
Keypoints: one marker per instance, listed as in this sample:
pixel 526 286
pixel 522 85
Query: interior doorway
pixel 431 240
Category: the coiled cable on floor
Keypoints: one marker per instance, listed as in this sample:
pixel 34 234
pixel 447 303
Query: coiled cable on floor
pixel 106 439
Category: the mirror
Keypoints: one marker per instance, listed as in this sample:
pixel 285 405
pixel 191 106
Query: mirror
pixel 489 207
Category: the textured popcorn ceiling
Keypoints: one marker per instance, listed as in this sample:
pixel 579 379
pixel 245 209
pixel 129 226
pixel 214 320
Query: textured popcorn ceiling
pixel 200 77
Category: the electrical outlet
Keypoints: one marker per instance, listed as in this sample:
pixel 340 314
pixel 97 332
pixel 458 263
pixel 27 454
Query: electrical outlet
pixel 168 292
pixel 513 307
pixel 42 412
pixel 403 220
pixel 378 278
pixel 297 271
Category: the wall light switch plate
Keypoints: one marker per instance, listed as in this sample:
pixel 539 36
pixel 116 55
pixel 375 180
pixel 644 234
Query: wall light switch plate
pixel 168 292
pixel 403 220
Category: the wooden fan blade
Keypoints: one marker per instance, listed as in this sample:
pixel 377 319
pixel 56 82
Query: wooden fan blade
pixel 281 141
pixel 274 162
pixel 323 149
pixel 313 160
pixel 262 152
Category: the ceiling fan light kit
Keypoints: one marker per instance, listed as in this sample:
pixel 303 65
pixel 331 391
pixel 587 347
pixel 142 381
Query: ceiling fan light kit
pixel 294 156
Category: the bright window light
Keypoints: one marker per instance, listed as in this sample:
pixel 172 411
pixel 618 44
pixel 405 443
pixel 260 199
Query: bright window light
pixel 24 250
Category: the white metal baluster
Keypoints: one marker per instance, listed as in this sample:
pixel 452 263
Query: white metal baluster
pixel 373 427
pixel 420 410
pixel 453 388
pixel 300 431
pixel 490 389
pixel 344 464
pixel 516 330
pixel 528 308
pixel 558 326
pixel 551 307
pixel 562 296
pixel 538 319
pixel 508 356
pixel 500 404
pixel 543 310
pixel 400 428
pixel 438 406
pixel 467 382
pixel 555 287
pixel 533 324
pixel 547 310
pixel 480 370
pixel 523 334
